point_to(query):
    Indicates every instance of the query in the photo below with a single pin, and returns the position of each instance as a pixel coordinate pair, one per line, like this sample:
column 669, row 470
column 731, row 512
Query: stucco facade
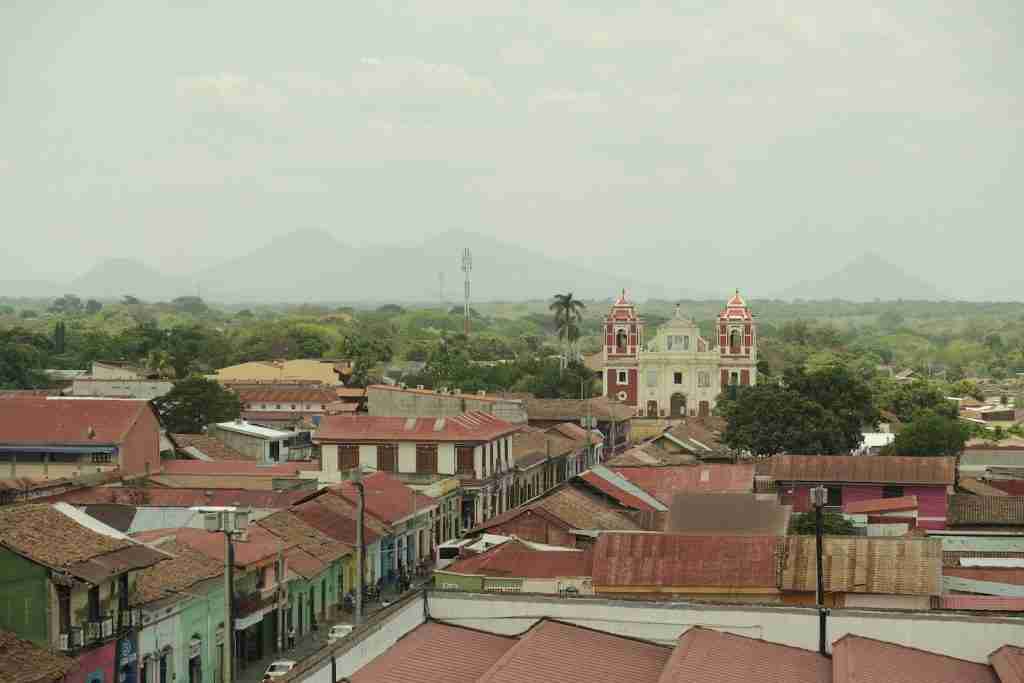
column 678, row 373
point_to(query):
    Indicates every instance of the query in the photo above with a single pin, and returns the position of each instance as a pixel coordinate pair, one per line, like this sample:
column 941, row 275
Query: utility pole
column 819, row 496
column 228, row 521
column 467, row 266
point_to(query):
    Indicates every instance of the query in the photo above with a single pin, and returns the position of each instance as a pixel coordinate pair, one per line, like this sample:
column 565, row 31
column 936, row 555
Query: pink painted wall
column 95, row 666
column 931, row 500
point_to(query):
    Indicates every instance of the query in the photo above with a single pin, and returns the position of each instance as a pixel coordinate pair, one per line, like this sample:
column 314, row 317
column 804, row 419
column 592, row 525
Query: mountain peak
column 867, row 277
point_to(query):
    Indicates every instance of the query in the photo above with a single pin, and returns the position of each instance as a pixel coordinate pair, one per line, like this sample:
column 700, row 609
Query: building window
column 94, row 604
column 704, row 379
column 348, row 456
column 426, row 458
column 835, row 497
column 277, row 406
column 677, row 378
column 686, row 343
column 293, row 406
column 64, row 608
column 620, row 341
column 892, row 492
column 100, row 458
column 623, row 377
column 464, row 460
column 734, row 341
column 387, row 457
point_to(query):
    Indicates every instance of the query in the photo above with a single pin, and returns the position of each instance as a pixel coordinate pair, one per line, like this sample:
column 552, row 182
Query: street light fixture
column 230, row 521
column 819, row 497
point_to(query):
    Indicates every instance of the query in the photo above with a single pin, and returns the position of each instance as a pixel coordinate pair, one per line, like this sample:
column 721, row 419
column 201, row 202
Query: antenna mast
column 467, row 266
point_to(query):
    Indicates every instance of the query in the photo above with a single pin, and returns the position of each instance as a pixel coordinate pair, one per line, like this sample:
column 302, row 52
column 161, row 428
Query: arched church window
column 734, row 341
column 620, row 341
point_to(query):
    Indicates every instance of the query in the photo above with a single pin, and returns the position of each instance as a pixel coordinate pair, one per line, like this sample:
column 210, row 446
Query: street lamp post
column 819, row 496
column 357, row 481
column 228, row 521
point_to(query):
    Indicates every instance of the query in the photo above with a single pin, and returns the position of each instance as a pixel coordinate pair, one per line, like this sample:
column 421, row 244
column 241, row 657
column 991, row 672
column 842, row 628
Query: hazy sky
column 772, row 137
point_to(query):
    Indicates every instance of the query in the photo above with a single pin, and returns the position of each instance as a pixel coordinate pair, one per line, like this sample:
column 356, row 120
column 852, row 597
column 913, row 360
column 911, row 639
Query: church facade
column 677, row 373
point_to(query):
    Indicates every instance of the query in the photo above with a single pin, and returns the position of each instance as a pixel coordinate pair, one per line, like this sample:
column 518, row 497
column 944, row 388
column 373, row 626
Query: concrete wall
column 250, row 446
column 24, row 599
column 958, row 635
column 415, row 403
column 121, row 388
column 140, row 452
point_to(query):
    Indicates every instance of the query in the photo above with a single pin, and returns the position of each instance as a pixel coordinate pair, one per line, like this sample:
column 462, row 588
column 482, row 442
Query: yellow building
column 326, row 371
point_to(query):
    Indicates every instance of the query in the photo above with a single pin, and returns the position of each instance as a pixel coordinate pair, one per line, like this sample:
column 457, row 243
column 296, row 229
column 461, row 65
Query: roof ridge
column 849, row 636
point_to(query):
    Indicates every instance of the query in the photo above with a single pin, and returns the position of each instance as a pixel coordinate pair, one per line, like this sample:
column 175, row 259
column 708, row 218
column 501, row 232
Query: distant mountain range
column 314, row 266
column 867, row 278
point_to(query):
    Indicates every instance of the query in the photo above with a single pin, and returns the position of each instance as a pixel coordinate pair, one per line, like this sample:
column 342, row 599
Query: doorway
column 678, row 405
column 652, row 409
column 704, row 409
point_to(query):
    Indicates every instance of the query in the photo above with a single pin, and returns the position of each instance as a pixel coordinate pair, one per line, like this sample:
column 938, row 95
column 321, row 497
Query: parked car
column 279, row 668
column 337, row 632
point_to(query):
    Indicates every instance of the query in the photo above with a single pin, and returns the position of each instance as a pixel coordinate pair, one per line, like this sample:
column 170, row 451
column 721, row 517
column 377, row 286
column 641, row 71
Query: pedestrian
column 291, row 638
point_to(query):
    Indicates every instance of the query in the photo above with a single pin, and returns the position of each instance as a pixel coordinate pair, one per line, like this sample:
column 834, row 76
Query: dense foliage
column 803, row 524
column 195, row 402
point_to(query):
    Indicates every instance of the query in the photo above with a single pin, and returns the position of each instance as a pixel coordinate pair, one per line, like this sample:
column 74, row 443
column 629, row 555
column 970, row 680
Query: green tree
column 195, row 402
column 568, row 316
column 766, row 419
column 129, row 300
column 365, row 351
column 92, row 306
column 846, row 400
column 28, row 313
column 906, row 400
column 804, row 524
column 59, row 337
column 23, row 356
column 190, row 304
column 69, row 304
column 931, row 434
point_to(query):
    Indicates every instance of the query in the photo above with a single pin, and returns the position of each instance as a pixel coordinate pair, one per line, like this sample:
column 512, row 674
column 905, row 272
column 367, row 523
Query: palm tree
column 568, row 314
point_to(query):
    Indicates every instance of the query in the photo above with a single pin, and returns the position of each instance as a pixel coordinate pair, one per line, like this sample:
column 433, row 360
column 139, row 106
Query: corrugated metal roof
column 863, row 660
column 711, row 656
column 863, row 507
column 862, row 469
column 57, row 420
column 892, row 566
column 184, row 497
column 677, row 560
column 436, row 653
column 621, row 489
column 1008, row 661
column 555, row 651
column 516, row 559
column 994, row 603
column 967, row 509
column 664, row 482
column 386, row 497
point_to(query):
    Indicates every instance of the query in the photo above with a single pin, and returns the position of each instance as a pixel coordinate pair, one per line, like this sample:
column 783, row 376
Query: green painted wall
column 201, row 617
column 445, row 580
column 24, row 598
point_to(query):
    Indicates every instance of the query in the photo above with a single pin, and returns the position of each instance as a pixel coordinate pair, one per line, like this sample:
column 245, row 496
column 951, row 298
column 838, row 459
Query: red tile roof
column 22, row 661
column 387, row 498
column 211, row 447
column 664, row 482
column 260, row 546
column 514, row 558
column 571, row 430
column 296, row 395
column 569, row 508
column 555, row 651
column 621, row 495
column 67, row 420
column 675, row 560
column 713, row 657
column 200, row 467
column 863, row 660
column 473, row 426
column 185, row 568
column 862, row 507
column 996, row 603
column 329, row 515
column 862, row 469
column 184, row 497
column 1008, row 661
column 436, row 653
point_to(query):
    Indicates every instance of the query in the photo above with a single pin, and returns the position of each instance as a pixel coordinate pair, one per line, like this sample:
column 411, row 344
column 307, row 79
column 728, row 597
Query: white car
column 337, row 632
column 279, row 668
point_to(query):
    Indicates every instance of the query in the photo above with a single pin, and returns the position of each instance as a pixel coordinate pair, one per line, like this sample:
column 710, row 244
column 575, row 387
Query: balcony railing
column 71, row 640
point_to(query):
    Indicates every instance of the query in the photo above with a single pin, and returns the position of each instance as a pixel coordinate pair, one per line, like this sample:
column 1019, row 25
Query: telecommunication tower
column 467, row 266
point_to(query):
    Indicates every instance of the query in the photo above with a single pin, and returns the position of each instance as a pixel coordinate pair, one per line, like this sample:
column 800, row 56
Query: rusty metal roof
column 677, row 560
column 856, row 659
column 862, row 469
column 892, row 566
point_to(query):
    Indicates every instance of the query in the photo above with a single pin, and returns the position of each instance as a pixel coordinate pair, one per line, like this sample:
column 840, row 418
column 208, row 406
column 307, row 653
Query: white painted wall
column 958, row 635
column 329, row 458
column 446, row 458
